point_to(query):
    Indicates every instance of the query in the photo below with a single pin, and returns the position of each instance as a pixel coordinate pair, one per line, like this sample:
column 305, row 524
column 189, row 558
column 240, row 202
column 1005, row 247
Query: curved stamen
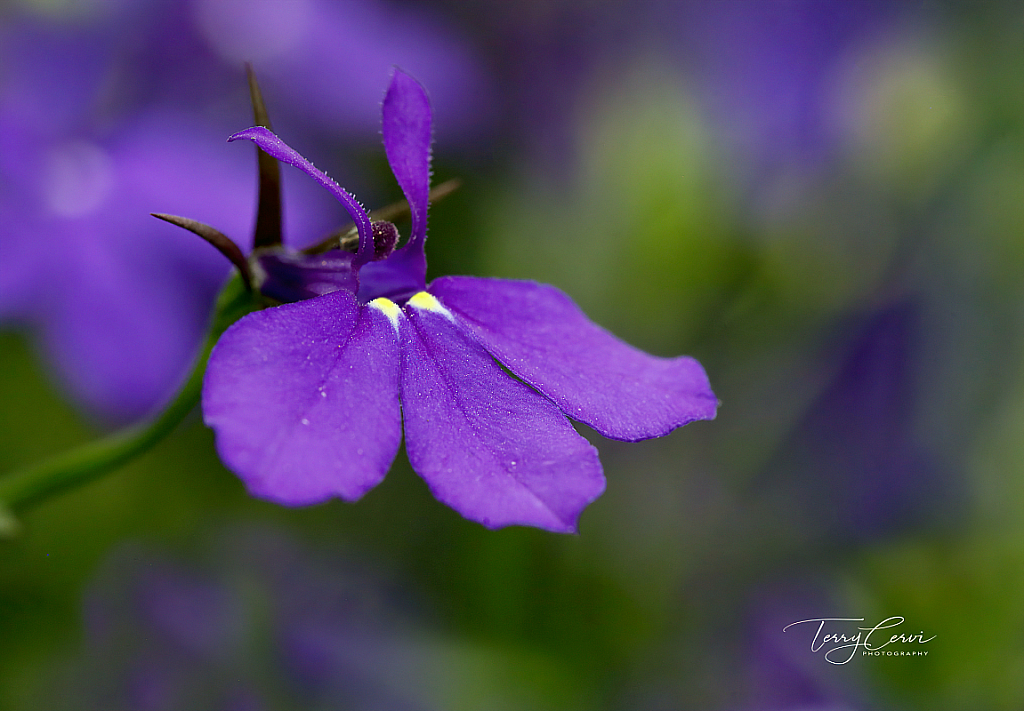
column 347, row 237
column 277, row 148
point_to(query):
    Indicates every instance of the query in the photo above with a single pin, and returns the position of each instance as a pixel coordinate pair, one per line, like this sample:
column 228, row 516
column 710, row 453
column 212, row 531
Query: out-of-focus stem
column 35, row 483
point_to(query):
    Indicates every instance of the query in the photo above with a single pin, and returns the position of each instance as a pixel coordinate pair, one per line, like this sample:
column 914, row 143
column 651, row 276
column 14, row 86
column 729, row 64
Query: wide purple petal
column 539, row 334
column 304, row 399
column 490, row 447
column 280, row 150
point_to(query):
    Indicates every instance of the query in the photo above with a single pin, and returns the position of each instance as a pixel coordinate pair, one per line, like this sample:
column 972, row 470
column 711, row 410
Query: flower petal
column 277, row 148
column 304, row 399
column 406, row 128
column 397, row 277
column 489, row 446
column 293, row 276
column 539, row 334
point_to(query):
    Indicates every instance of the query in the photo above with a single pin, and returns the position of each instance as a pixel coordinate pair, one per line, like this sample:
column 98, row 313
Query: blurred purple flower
column 308, row 398
column 325, row 59
column 93, row 137
column 767, row 71
column 781, row 672
column 262, row 625
column 119, row 302
column 854, row 465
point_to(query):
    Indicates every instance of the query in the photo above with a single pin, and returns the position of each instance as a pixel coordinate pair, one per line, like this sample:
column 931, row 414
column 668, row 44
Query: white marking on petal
column 428, row 302
column 389, row 308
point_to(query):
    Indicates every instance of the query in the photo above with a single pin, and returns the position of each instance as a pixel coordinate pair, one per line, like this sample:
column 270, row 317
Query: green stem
column 34, row 483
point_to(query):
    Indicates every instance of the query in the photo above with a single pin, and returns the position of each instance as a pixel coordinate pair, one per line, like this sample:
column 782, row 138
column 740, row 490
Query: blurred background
column 822, row 201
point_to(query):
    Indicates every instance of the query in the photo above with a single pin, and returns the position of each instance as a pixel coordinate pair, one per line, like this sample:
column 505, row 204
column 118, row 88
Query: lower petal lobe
column 539, row 334
column 304, row 399
column 488, row 445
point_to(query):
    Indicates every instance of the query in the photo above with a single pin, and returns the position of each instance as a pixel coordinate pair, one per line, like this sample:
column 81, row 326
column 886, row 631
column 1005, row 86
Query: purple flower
column 256, row 622
column 855, row 467
column 325, row 58
column 778, row 669
column 767, row 70
column 308, row 398
column 133, row 299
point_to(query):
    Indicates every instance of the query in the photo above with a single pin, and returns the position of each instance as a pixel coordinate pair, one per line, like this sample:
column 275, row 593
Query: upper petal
column 539, row 334
column 490, row 447
column 304, row 399
column 406, row 128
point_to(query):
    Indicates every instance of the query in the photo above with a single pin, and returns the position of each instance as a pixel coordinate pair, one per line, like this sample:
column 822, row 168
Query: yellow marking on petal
column 389, row 308
column 426, row 302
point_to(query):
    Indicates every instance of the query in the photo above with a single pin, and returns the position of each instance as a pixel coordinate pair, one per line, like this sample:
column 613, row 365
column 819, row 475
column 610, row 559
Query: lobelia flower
column 883, row 479
column 768, row 72
column 308, row 399
column 256, row 622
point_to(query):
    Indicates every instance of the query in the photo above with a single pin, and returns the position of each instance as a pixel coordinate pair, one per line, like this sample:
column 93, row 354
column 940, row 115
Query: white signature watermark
column 841, row 647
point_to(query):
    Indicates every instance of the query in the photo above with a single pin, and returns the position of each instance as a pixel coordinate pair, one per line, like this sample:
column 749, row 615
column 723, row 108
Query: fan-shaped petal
column 539, row 334
column 304, row 399
column 488, row 445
